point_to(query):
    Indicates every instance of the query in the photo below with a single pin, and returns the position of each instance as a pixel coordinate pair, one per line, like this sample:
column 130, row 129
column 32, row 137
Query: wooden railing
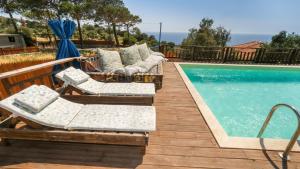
column 13, row 81
column 231, row 54
column 9, row 51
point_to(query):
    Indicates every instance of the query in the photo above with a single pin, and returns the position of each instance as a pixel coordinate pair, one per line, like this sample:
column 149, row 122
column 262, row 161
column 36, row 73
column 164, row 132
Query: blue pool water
column 241, row 97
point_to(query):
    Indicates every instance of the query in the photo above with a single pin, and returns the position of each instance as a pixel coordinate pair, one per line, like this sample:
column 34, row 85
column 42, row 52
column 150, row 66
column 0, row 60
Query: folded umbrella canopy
column 64, row 30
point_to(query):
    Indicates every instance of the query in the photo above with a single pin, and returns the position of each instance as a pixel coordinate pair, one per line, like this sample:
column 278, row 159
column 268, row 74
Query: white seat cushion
column 35, row 98
column 129, row 89
column 91, row 86
column 132, row 69
column 115, row 118
column 150, row 62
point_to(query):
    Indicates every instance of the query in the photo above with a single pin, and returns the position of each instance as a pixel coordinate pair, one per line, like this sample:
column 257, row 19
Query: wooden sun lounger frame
column 34, row 131
column 155, row 75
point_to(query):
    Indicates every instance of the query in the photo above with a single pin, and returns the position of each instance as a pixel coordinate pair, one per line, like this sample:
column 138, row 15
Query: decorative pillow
column 157, row 53
column 144, row 51
column 60, row 75
column 130, row 55
column 110, row 60
column 75, row 77
column 36, row 98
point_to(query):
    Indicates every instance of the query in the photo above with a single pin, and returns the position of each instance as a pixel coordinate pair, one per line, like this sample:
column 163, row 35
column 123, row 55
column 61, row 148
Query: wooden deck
column 182, row 140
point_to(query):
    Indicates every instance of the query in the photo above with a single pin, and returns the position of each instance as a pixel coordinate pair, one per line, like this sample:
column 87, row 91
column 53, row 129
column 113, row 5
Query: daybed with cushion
column 132, row 64
column 43, row 115
column 79, row 81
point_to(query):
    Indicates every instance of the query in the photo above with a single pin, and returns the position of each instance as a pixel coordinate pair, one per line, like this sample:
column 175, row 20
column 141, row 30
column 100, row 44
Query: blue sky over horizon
column 239, row 16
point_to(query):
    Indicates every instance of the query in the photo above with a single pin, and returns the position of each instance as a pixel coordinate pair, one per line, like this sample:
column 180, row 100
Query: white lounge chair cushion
column 35, row 98
column 60, row 75
column 129, row 89
column 117, row 89
column 58, row 114
column 75, row 77
column 110, row 60
column 130, row 55
column 91, row 86
column 115, row 118
column 144, row 51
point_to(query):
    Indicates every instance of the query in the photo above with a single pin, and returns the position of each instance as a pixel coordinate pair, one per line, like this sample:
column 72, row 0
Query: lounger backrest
column 73, row 76
column 57, row 114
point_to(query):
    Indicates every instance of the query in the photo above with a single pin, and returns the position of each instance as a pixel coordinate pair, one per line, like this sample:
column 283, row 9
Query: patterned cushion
column 75, row 77
column 60, row 75
column 144, row 51
column 130, row 55
column 128, row 89
column 150, row 62
column 132, row 69
column 110, row 60
column 115, row 118
column 91, row 86
column 146, row 65
column 35, row 98
column 156, row 58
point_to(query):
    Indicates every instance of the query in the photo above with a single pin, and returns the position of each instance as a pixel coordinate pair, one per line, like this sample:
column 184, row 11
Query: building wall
column 12, row 41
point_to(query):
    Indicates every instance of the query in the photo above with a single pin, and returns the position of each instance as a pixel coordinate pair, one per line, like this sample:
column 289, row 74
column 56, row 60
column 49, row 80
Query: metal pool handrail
column 296, row 134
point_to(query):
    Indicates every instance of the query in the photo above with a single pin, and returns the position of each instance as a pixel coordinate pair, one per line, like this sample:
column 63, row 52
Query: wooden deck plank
column 182, row 141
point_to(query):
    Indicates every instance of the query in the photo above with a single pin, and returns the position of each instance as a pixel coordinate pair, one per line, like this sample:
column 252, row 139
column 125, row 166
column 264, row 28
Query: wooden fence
column 233, row 55
column 14, row 66
column 9, row 51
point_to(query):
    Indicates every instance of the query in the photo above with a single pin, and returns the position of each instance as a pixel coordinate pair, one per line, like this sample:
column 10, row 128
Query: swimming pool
column 235, row 100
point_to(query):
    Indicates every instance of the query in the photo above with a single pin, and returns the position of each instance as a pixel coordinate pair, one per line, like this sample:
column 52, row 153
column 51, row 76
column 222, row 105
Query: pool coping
column 217, row 130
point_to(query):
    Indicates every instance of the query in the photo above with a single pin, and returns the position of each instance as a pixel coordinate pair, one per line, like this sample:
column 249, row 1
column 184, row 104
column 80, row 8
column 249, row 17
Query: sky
column 239, row 16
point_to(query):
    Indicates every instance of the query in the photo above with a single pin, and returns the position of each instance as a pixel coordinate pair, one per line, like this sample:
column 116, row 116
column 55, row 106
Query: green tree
column 130, row 21
column 143, row 37
column 207, row 35
column 113, row 15
column 79, row 10
column 285, row 40
column 10, row 7
column 41, row 11
column 222, row 36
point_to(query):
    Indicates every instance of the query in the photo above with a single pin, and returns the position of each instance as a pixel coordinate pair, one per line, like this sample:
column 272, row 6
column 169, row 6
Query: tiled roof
column 252, row 44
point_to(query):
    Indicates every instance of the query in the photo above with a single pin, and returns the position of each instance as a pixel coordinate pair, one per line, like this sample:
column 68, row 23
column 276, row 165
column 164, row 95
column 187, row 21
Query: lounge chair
column 49, row 117
column 93, row 87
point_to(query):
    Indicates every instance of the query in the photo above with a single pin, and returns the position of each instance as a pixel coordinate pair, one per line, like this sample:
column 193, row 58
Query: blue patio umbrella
column 66, row 48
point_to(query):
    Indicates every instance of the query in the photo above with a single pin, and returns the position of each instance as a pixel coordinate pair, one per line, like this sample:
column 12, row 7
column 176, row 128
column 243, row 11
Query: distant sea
column 177, row 37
